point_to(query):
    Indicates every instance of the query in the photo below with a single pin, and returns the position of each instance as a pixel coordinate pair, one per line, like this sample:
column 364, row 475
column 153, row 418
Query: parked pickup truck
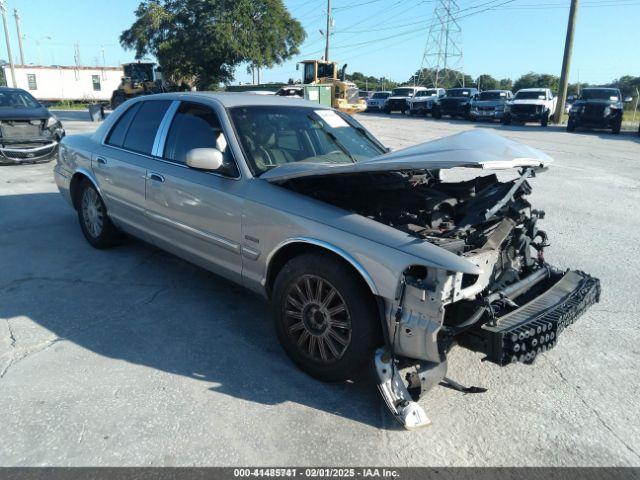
column 397, row 101
column 456, row 103
column 530, row 105
column 597, row 108
column 423, row 101
column 490, row 105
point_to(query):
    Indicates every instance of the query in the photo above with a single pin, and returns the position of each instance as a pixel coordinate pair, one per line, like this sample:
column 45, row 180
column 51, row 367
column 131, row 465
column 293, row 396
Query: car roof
column 237, row 99
column 497, row 90
column 11, row 89
column 600, row 88
column 536, row 89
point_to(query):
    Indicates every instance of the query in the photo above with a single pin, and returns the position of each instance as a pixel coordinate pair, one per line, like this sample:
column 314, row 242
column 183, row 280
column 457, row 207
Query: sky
column 377, row 37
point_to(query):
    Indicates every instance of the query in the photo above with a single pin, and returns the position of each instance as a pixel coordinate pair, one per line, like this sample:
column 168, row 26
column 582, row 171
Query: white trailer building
column 55, row 83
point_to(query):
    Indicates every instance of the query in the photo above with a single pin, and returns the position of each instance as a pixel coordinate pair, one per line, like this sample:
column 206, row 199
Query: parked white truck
column 530, row 105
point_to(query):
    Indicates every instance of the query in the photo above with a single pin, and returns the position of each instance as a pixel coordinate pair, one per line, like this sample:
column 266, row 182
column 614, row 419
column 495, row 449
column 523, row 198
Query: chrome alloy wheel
column 92, row 212
column 317, row 319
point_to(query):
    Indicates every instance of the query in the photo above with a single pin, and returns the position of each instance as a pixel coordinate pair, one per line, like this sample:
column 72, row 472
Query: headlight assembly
column 52, row 122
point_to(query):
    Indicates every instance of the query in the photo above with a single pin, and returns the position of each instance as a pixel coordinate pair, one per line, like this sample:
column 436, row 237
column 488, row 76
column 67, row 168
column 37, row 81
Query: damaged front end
column 512, row 311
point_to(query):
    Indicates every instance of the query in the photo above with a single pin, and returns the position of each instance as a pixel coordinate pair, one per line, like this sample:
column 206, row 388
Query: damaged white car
column 367, row 257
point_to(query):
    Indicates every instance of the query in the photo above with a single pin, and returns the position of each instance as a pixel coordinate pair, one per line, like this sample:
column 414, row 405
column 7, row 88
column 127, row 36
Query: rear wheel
column 571, row 125
column 325, row 317
column 96, row 226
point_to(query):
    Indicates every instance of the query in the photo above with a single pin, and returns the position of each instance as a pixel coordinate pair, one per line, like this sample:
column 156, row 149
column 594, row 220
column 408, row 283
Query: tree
column 370, row 82
column 505, row 84
column 487, row 82
column 537, row 80
column 203, row 41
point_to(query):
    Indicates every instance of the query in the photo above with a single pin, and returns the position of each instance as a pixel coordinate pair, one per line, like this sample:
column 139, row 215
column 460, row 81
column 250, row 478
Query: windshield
column 493, row 96
column 458, row 92
column 17, row 99
column 380, row 95
column 426, row 93
column 402, row 92
column 531, row 95
column 276, row 135
column 600, row 94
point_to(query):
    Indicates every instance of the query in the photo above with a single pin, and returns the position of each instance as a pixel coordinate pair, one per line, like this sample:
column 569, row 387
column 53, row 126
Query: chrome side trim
column 210, row 237
column 250, row 253
column 29, row 150
column 332, row 248
column 161, row 134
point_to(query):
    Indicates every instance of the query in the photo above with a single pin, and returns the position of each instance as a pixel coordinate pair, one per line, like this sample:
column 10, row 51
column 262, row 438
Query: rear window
column 119, row 131
column 136, row 129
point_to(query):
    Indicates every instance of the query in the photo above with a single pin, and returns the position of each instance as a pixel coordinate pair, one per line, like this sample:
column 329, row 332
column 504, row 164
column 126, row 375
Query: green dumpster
column 318, row 93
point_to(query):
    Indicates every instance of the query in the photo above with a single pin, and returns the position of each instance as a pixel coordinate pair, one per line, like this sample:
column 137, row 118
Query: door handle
column 156, row 177
column 101, row 161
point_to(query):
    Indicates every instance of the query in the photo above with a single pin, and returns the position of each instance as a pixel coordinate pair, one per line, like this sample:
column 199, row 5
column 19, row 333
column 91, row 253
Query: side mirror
column 209, row 159
column 628, row 99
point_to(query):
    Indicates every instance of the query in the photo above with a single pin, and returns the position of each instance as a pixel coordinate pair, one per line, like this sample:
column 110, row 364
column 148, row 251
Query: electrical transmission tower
column 442, row 59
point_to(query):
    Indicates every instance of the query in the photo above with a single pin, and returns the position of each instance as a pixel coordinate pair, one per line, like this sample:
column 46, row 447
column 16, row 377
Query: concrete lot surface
column 133, row 357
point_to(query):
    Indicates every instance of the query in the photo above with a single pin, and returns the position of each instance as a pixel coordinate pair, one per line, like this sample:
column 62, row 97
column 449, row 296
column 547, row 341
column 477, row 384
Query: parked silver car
column 366, row 256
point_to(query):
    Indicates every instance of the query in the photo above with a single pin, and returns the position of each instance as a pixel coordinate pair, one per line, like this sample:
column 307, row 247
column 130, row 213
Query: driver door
column 196, row 214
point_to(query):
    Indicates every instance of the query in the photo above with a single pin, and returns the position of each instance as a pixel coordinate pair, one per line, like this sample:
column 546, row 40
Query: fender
column 332, row 248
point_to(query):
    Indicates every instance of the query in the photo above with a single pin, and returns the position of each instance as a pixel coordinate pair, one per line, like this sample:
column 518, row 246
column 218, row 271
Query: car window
column 276, row 135
column 119, row 131
column 197, row 126
column 144, row 126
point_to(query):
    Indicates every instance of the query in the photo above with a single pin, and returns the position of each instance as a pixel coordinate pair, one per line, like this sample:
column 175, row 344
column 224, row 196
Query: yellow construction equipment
column 140, row 78
column 344, row 94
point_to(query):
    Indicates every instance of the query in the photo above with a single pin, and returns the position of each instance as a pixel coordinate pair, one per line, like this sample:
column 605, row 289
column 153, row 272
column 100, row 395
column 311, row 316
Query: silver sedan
column 366, row 256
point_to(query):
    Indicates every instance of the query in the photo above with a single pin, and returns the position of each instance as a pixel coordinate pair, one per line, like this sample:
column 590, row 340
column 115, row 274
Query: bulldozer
column 140, row 78
column 344, row 94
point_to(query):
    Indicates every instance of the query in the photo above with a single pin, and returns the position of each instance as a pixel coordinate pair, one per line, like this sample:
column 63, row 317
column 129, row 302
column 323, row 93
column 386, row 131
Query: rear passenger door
column 121, row 163
column 196, row 214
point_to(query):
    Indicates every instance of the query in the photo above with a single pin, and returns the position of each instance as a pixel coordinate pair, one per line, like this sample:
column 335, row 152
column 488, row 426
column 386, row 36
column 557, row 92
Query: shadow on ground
column 138, row 304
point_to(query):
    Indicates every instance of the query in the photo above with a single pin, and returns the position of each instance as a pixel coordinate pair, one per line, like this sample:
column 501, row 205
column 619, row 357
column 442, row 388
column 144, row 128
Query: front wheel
column 616, row 127
column 571, row 126
column 544, row 121
column 506, row 120
column 325, row 317
column 437, row 113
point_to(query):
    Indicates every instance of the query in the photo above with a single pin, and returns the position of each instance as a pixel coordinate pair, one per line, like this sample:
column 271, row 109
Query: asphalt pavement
column 131, row 356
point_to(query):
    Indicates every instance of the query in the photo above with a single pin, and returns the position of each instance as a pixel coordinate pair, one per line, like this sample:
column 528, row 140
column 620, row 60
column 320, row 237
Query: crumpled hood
column 479, row 148
column 38, row 113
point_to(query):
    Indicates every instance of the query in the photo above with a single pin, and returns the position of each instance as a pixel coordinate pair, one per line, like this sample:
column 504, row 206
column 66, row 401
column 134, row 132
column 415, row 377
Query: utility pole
column 3, row 8
column 566, row 61
column 327, row 32
column 16, row 14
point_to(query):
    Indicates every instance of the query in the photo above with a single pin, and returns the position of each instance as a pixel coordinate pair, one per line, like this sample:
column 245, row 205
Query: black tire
column 437, row 113
column 118, row 97
column 571, row 126
column 411, row 113
column 361, row 332
column 506, row 120
column 102, row 234
column 544, row 121
column 616, row 127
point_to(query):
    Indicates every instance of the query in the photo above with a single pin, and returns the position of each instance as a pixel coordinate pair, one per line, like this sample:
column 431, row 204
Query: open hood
column 471, row 149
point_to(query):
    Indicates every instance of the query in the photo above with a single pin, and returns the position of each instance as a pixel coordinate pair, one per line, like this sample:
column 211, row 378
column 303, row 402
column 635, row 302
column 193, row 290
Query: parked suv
column 597, row 108
column 456, row 103
column 376, row 101
column 490, row 104
column 530, row 105
column 423, row 101
column 397, row 101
